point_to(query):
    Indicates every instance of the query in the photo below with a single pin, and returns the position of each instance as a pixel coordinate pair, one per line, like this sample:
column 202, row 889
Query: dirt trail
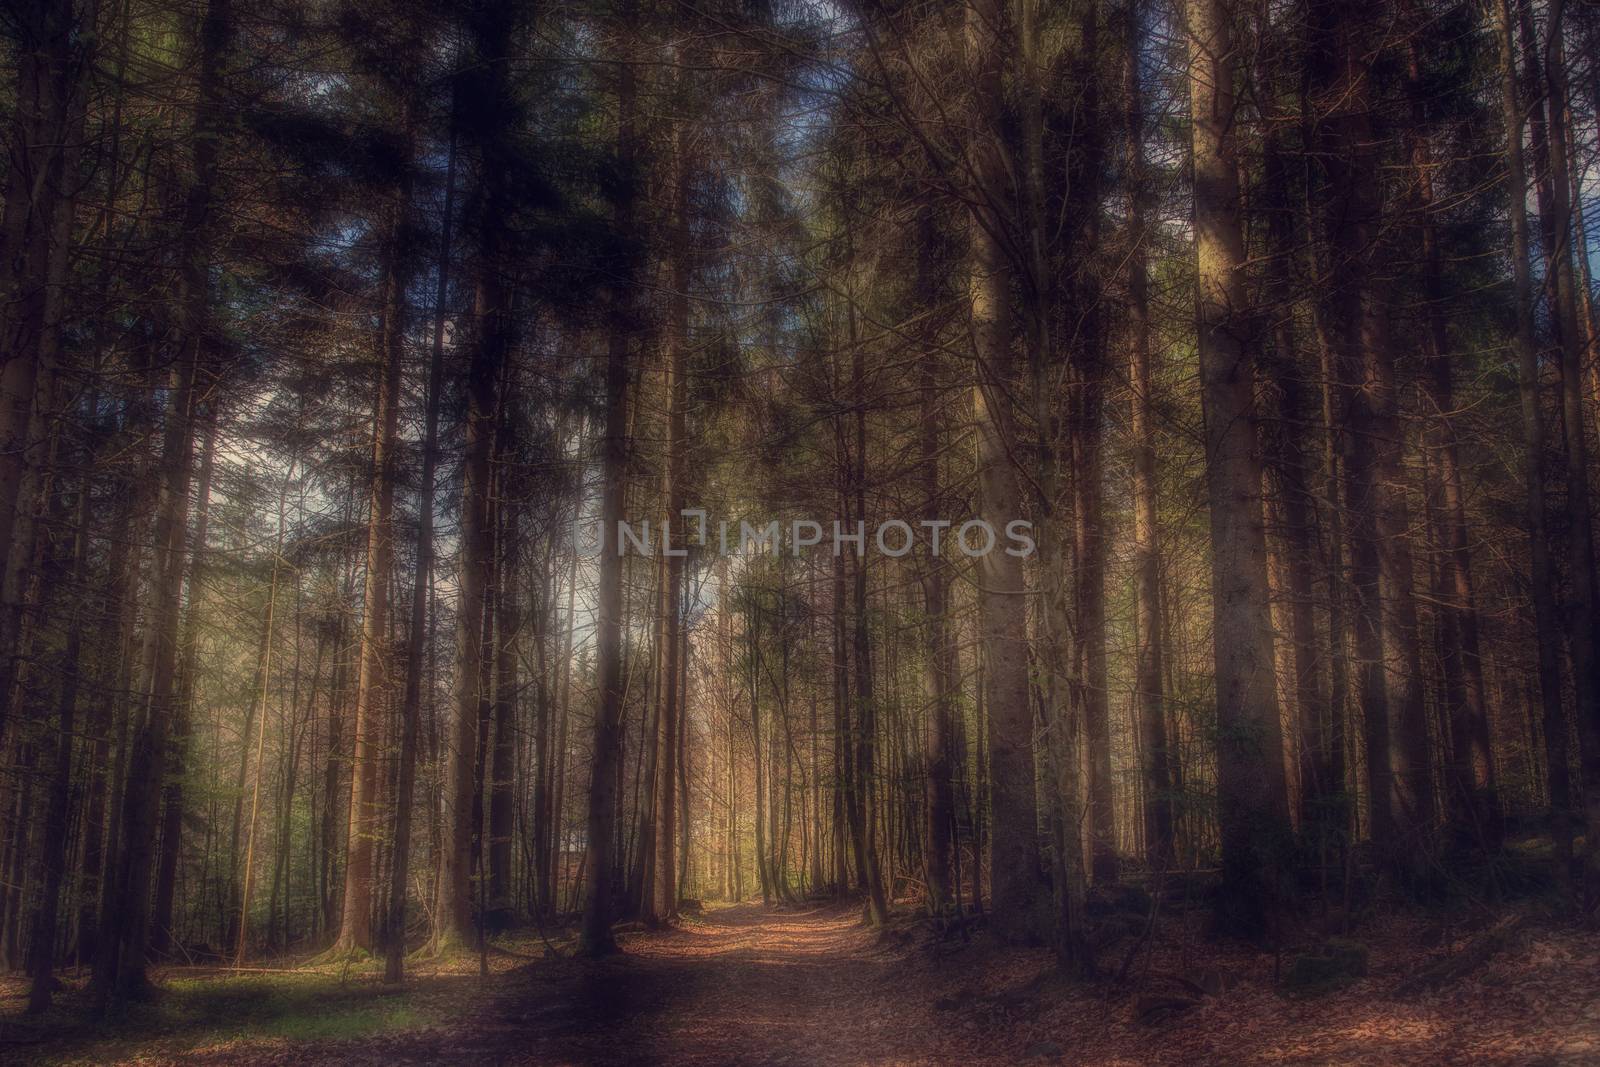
column 740, row 985
column 812, row 986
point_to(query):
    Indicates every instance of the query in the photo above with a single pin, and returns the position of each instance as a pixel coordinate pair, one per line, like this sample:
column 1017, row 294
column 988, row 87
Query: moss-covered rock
column 1337, row 964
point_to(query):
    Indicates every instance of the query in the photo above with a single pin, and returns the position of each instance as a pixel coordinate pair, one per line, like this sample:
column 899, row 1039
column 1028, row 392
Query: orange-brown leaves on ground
column 812, row 986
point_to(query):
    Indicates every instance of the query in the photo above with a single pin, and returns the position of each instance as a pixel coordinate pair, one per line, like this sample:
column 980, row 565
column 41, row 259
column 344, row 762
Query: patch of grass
column 292, row 1007
column 222, row 1010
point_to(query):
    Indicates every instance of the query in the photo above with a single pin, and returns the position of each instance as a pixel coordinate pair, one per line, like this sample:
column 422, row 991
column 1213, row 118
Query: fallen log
column 1477, row 952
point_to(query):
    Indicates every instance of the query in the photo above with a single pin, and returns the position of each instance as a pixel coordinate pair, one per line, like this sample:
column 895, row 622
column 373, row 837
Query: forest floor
column 810, row 985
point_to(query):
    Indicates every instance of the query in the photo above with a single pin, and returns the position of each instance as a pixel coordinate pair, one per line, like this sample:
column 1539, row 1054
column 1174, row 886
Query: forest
column 799, row 531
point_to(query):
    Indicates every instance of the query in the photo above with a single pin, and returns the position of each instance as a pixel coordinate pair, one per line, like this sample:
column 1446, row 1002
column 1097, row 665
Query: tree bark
column 42, row 939
column 1372, row 447
column 596, row 938
column 416, row 639
column 55, row 49
column 672, row 536
column 1017, row 912
column 485, row 90
column 508, row 627
column 1583, row 614
column 120, row 966
column 1544, row 590
column 173, row 800
column 1250, row 782
column 940, row 661
column 1473, row 804
column 376, row 669
column 1149, row 693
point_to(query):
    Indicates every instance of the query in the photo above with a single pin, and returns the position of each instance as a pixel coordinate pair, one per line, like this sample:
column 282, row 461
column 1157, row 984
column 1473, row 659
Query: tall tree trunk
column 173, row 800
column 1583, row 614
column 537, row 861
column 1364, row 363
column 1250, row 783
column 115, row 653
column 672, row 536
column 1341, row 807
column 508, row 627
column 120, row 966
column 842, row 776
column 1290, row 451
column 1149, row 694
column 1471, row 796
column 1062, row 682
column 641, row 874
column 684, row 826
column 485, row 90
column 1542, row 576
column 819, row 878
column 112, row 643
column 596, row 938
column 477, row 562
column 373, row 685
column 260, row 694
column 330, row 838
column 556, row 847
column 940, row 661
column 19, row 851
column 42, row 939
column 863, row 828
column 1016, row 887
column 54, row 56
column 416, row 639
column 1086, row 430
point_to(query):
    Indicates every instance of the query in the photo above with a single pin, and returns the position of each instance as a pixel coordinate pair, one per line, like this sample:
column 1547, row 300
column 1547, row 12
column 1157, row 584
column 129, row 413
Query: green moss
column 447, row 945
column 197, row 1013
column 1338, row 964
column 353, row 957
column 294, row 1007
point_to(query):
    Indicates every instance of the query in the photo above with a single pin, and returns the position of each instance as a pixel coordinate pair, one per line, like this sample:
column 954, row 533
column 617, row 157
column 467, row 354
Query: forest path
column 741, row 985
